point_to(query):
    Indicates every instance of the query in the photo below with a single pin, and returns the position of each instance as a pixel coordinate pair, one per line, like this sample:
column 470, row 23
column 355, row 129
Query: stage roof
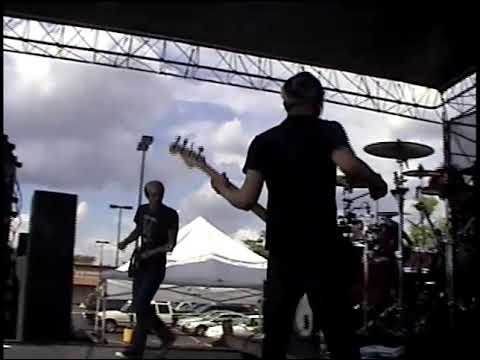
column 428, row 47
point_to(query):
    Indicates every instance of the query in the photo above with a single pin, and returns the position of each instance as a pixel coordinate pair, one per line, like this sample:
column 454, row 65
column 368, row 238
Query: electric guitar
column 195, row 159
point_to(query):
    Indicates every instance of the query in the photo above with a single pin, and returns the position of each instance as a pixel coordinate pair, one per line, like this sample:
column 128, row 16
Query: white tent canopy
column 205, row 256
column 122, row 289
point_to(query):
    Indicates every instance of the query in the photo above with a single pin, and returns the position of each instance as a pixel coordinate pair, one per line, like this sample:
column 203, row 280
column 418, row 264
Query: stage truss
column 167, row 57
column 179, row 59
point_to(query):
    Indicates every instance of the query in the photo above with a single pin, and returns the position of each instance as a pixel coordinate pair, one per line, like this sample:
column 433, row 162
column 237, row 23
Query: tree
column 422, row 234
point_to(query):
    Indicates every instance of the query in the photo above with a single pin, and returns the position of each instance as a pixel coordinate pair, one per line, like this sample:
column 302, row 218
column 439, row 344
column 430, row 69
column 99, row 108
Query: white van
column 116, row 319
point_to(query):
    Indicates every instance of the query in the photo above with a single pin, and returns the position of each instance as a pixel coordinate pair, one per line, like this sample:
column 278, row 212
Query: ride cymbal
column 400, row 150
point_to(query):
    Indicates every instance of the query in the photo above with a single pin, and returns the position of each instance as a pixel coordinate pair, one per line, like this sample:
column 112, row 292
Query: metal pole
column 399, row 192
column 140, row 186
column 118, row 235
column 142, row 172
column 97, row 310
column 448, row 236
column 365, row 284
column 101, row 257
column 104, row 311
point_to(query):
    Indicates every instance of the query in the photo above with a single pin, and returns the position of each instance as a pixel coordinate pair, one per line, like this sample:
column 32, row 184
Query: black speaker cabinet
column 22, row 244
column 45, row 301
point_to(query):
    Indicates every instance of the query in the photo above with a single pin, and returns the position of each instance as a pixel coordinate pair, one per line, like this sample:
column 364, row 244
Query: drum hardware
column 400, row 151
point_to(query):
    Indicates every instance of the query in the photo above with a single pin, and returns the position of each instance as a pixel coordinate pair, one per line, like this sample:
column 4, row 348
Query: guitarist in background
column 157, row 225
column 297, row 159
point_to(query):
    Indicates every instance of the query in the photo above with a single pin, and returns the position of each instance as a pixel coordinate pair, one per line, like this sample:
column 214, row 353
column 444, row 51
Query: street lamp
column 142, row 146
column 102, row 244
column 120, row 208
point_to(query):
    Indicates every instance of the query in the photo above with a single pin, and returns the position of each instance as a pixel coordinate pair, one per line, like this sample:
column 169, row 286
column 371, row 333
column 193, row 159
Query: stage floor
column 95, row 351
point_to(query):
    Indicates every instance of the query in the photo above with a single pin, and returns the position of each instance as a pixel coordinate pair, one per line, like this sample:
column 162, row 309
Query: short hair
column 303, row 88
column 153, row 183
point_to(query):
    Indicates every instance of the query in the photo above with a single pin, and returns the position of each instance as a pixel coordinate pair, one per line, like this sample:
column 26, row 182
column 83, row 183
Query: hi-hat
column 390, row 214
column 430, row 190
column 400, row 150
column 422, row 173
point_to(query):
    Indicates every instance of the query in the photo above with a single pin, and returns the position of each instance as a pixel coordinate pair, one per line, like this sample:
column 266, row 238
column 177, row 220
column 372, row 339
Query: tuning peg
column 200, row 152
column 185, row 142
column 174, row 146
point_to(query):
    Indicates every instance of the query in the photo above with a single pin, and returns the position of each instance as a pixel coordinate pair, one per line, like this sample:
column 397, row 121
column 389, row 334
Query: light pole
column 120, row 208
column 102, row 244
column 101, row 295
column 142, row 146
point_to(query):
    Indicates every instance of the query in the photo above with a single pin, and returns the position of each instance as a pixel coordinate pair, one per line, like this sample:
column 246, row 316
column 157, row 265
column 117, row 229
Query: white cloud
column 246, row 234
column 208, row 204
column 82, row 211
column 89, row 121
column 240, row 100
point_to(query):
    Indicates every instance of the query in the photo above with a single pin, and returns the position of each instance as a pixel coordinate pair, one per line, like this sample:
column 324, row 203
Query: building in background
column 85, row 280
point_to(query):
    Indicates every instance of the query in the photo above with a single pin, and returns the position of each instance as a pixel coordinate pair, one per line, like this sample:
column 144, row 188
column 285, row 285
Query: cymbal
column 400, row 150
column 343, row 181
column 429, row 190
column 390, row 214
column 422, row 173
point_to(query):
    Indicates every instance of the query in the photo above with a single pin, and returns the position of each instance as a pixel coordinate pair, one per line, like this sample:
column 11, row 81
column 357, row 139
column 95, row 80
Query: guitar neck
column 257, row 209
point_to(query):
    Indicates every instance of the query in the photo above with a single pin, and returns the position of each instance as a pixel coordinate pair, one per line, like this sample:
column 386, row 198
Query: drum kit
column 390, row 264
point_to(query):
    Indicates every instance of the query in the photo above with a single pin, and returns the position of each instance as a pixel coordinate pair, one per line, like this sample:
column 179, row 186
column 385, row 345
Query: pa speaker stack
column 45, row 271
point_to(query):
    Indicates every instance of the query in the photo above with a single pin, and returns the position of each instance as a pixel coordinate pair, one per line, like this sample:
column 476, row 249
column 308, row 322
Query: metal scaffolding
column 167, row 57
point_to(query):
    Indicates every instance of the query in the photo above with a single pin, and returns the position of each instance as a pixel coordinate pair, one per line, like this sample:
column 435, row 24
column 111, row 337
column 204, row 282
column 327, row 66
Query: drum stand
column 449, row 242
column 365, row 307
column 399, row 193
column 398, row 308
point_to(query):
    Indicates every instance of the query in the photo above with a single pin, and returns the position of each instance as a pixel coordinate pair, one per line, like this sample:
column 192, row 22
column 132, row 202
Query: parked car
column 201, row 309
column 184, row 306
column 184, row 312
column 90, row 306
column 242, row 327
column 116, row 319
column 184, row 321
column 201, row 326
column 246, row 309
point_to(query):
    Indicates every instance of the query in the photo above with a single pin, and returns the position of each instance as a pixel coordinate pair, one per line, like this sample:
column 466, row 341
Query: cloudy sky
column 76, row 127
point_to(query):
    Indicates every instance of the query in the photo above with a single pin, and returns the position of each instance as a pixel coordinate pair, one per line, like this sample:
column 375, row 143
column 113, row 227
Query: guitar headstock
column 192, row 158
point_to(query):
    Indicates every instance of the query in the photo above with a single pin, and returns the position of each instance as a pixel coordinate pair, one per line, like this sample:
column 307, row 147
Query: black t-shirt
column 295, row 161
column 154, row 227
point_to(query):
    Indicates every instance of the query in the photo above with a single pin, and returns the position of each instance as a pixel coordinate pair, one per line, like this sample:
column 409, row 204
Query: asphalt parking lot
column 183, row 340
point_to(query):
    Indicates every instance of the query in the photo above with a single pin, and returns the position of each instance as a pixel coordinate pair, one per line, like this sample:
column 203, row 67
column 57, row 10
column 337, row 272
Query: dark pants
column 329, row 295
column 146, row 282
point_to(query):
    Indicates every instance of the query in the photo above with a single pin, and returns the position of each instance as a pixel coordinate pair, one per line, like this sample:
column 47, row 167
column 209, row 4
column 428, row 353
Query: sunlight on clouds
column 82, row 211
column 396, row 122
column 246, row 234
column 33, row 69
